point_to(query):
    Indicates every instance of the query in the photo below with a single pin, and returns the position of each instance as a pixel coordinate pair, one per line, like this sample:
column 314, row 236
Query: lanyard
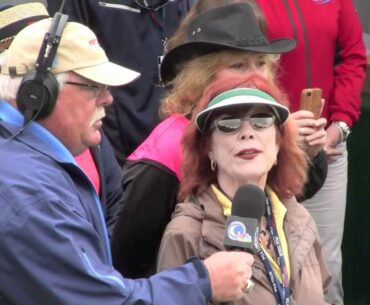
column 281, row 290
column 159, row 24
column 158, row 16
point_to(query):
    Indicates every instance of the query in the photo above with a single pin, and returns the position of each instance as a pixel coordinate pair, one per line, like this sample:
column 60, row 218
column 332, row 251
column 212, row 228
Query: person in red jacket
column 330, row 55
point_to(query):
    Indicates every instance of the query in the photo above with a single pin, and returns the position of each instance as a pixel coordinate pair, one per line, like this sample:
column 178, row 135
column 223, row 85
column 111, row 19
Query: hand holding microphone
column 230, row 272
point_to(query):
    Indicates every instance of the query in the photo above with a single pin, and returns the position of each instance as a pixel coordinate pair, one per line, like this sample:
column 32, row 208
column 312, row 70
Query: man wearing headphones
column 54, row 247
column 98, row 162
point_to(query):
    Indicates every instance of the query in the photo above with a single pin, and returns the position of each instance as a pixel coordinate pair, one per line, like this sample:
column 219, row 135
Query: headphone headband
column 50, row 43
column 39, row 88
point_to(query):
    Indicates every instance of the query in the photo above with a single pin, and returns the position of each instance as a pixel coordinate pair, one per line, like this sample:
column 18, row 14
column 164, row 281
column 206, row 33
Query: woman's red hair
column 287, row 178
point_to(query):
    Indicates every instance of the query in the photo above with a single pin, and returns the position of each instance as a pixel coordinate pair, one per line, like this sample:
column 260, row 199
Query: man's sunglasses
column 95, row 89
column 232, row 125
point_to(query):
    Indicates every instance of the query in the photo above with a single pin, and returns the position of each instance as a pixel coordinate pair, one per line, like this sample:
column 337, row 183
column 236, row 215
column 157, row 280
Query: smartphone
column 311, row 101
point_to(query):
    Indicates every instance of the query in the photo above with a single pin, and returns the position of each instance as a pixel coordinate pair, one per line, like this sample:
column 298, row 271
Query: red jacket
column 323, row 30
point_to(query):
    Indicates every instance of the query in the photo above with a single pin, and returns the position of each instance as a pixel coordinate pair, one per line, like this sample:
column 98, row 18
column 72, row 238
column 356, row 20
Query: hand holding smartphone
column 311, row 101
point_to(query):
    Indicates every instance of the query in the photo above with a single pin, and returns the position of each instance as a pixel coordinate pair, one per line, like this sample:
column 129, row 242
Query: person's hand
column 312, row 135
column 334, row 138
column 229, row 273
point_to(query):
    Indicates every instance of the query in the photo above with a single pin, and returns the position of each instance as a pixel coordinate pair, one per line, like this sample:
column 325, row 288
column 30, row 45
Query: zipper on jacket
column 107, row 278
column 120, row 6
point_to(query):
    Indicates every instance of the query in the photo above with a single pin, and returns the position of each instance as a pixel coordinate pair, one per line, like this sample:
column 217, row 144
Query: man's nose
column 105, row 98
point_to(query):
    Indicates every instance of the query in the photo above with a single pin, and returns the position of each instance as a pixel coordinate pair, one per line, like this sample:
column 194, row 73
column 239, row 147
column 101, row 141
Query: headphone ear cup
column 37, row 96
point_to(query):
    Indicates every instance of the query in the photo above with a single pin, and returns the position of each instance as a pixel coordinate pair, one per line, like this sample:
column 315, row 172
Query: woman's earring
column 213, row 165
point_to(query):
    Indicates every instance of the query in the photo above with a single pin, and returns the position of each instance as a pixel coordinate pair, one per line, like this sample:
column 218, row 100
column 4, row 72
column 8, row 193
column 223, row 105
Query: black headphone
column 39, row 88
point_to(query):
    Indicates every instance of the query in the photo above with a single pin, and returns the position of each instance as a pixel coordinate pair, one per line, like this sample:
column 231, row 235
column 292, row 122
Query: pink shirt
column 86, row 162
column 163, row 145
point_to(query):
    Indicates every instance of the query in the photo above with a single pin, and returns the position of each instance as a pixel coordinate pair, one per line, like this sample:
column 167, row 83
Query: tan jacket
column 197, row 229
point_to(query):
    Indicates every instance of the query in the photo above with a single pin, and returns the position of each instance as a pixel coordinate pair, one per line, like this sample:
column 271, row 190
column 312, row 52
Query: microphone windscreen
column 248, row 202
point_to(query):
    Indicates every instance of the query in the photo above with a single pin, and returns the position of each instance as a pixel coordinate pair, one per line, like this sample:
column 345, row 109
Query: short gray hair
column 9, row 85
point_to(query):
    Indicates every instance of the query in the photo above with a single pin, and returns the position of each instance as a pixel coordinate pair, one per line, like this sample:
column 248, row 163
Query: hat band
column 244, row 96
column 238, row 96
column 13, row 70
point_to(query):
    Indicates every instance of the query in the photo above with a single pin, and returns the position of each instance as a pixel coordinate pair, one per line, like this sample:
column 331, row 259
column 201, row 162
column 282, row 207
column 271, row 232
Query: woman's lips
column 248, row 154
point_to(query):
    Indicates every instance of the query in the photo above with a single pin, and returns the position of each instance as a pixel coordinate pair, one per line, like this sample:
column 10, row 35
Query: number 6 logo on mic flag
column 237, row 231
column 241, row 227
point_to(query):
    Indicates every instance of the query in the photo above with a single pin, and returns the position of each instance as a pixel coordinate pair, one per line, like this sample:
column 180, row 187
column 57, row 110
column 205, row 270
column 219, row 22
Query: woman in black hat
column 224, row 40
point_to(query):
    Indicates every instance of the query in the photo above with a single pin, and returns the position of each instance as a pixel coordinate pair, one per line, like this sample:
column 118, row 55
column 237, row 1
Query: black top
column 150, row 197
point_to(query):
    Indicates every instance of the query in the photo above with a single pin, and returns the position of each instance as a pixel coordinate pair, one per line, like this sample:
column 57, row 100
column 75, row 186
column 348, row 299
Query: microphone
column 241, row 230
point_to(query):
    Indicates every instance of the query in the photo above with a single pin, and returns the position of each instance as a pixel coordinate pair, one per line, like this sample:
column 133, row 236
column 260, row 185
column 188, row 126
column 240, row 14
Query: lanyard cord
column 159, row 24
column 183, row 6
column 281, row 290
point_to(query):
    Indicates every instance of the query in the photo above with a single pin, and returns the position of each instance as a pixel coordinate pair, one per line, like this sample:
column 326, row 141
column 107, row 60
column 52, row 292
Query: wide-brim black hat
column 233, row 26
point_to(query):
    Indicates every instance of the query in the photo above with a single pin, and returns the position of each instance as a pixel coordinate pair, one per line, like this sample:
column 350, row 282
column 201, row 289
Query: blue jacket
column 53, row 241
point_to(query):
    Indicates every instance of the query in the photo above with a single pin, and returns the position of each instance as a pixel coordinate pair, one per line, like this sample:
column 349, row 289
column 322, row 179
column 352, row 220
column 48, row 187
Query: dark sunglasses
column 232, row 125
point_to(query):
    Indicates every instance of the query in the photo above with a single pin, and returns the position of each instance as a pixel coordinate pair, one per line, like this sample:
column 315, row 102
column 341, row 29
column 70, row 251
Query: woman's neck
column 229, row 188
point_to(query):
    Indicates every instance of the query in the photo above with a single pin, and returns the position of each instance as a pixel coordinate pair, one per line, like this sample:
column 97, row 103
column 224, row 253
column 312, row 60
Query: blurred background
column 356, row 242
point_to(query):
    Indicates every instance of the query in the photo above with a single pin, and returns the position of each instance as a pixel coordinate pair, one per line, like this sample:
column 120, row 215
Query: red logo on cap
column 94, row 42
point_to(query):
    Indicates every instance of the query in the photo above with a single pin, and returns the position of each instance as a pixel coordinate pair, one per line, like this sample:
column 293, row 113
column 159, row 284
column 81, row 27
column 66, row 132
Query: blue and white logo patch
column 237, row 231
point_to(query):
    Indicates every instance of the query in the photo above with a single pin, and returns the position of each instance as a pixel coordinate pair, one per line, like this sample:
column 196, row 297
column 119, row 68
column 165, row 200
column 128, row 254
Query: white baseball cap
column 78, row 51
